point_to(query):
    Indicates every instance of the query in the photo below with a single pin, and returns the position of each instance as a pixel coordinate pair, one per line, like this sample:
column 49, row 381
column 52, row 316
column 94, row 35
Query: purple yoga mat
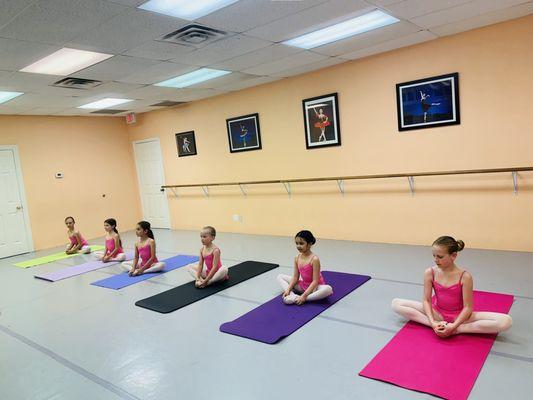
column 78, row 269
column 122, row 280
column 274, row 320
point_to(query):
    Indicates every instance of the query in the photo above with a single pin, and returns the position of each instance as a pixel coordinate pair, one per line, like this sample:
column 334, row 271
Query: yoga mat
column 183, row 295
column 52, row 257
column 274, row 320
column 78, row 269
column 417, row 359
column 122, row 280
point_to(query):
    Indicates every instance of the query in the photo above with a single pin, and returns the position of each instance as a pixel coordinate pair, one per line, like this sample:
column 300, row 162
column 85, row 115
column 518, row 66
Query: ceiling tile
column 414, row 8
column 247, row 14
column 224, row 80
column 11, row 8
column 310, row 19
column 383, row 3
column 261, row 56
column 115, row 68
column 484, row 19
column 156, row 73
column 20, row 54
column 367, row 39
column 43, row 111
column 464, row 11
column 297, row 60
column 248, row 83
column 58, row 21
column 397, row 43
column 127, row 31
column 161, row 51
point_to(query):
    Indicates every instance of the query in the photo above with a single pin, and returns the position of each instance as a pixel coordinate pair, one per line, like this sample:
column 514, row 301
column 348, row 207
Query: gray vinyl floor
column 70, row 340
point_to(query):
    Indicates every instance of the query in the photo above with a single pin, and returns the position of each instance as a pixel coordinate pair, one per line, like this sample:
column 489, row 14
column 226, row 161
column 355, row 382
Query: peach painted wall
column 495, row 64
column 95, row 157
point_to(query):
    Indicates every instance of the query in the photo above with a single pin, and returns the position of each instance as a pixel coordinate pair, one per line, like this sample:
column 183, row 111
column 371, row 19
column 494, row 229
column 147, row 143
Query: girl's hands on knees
column 286, row 293
column 301, row 300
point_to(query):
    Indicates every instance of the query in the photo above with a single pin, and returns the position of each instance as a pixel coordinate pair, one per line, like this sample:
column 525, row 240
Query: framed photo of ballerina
column 428, row 103
column 321, row 119
column 186, row 144
column 244, row 133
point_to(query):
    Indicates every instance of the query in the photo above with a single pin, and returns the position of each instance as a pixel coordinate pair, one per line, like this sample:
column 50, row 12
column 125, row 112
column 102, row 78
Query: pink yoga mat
column 417, row 359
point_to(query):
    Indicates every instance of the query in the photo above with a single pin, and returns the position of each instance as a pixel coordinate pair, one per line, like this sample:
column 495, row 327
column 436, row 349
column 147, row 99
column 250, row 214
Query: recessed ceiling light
column 65, row 62
column 186, row 9
column 192, row 78
column 105, row 103
column 6, row 96
column 363, row 23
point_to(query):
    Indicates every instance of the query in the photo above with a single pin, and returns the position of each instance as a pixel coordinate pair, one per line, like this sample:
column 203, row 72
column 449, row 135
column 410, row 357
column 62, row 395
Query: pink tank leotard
column 110, row 247
column 74, row 240
column 448, row 301
column 209, row 263
column 306, row 274
column 145, row 253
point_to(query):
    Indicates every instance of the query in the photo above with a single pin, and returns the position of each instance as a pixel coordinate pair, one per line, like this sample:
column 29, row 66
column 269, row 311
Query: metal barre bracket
column 411, row 181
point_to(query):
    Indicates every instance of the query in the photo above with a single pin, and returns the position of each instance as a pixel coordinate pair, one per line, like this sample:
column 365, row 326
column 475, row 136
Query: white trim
column 22, row 192
column 136, row 142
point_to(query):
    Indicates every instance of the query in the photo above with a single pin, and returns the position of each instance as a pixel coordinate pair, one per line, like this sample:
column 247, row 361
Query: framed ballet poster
column 321, row 119
column 428, row 103
column 186, row 144
column 244, row 133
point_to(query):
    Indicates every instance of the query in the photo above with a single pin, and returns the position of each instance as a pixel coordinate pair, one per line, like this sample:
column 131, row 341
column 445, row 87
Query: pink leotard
column 110, row 247
column 448, row 301
column 209, row 262
column 74, row 240
column 145, row 253
column 306, row 274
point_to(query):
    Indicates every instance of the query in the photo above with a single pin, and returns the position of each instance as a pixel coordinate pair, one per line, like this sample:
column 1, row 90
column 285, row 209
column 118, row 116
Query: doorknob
column 19, row 208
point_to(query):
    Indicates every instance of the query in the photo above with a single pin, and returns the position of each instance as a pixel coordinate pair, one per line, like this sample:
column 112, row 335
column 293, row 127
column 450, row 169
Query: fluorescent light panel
column 363, row 23
column 6, row 96
column 105, row 103
column 192, row 78
column 186, row 9
column 65, row 62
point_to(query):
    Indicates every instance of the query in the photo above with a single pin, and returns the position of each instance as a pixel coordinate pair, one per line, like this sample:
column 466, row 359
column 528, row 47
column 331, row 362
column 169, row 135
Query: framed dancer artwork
column 321, row 119
column 428, row 103
column 186, row 144
column 244, row 133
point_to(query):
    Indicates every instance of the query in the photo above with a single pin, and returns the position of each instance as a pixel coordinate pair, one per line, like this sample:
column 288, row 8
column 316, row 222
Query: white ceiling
column 32, row 29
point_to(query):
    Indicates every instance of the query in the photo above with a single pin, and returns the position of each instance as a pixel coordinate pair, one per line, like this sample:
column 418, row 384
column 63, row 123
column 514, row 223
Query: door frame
column 22, row 192
column 134, row 143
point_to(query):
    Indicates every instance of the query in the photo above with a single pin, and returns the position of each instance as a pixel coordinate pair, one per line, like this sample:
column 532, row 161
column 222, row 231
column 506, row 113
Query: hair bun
column 460, row 245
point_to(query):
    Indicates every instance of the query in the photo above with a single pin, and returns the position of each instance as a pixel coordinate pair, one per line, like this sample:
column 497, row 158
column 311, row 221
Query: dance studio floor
column 70, row 340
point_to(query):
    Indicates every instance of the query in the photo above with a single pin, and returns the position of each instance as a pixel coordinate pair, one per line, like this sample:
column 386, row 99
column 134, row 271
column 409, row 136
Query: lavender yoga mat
column 417, row 359
column 78, row 269
column 274, row 320
column 122, row 280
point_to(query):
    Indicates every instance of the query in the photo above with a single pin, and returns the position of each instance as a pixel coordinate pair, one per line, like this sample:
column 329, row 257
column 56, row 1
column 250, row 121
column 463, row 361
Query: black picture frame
column 186, row 144
column 321, row 121
column 244, row 133
column 428, row 103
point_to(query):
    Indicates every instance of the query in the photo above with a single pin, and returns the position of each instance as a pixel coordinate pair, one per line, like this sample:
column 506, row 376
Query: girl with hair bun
column 145, row 259
column 306, row 283
column 77, row 243
column 113, row 243
column 449, row 311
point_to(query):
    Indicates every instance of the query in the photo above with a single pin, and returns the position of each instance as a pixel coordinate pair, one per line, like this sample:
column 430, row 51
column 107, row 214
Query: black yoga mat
column 183, row 295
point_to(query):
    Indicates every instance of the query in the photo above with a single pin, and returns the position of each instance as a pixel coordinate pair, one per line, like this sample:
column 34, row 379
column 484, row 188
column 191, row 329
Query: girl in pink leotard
column 306, row 283
column 113, row 243
column 145, row 259
column 77, row 243
column 209, row 269
column 449, row 311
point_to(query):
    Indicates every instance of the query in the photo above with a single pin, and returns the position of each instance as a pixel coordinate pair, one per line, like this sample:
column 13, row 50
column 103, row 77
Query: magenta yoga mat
column 417, row 359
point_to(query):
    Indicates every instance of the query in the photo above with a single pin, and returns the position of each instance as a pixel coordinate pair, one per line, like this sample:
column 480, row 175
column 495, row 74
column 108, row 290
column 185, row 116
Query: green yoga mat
column 51, row 258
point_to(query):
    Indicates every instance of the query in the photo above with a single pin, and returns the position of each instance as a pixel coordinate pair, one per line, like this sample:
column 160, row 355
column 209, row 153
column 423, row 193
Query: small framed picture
column 321, row 118
column 428, row 103
column 244, row 133
column 186, row 144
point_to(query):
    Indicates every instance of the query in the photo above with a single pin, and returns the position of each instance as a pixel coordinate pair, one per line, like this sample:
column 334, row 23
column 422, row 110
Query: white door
column 15, row 236
column 151, row 177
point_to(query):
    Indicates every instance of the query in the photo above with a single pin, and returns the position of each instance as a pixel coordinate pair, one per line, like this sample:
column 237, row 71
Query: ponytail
column 113, row 223
column 145, row 226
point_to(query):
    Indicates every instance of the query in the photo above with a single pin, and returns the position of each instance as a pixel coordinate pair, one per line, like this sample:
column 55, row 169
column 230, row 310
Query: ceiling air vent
column 77, row 83
column 108, row 111
column 193, row 35
column 168, row 103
